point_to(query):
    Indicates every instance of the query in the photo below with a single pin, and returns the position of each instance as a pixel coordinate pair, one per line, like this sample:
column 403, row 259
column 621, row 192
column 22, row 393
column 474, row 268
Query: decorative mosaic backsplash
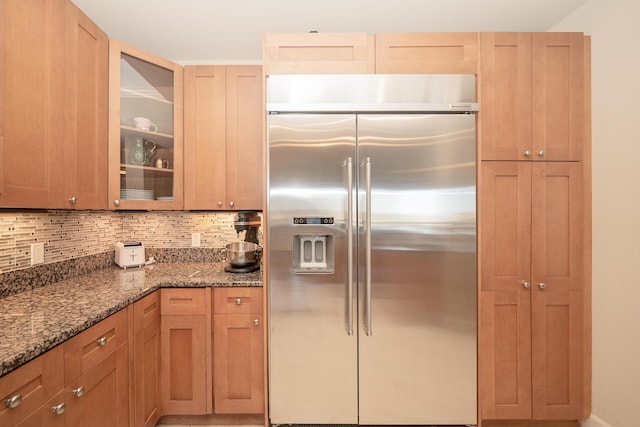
column 74, row 234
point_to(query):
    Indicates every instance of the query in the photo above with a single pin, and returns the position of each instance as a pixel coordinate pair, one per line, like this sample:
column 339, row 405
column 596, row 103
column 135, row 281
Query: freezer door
column 312, row 357
column 417, row 356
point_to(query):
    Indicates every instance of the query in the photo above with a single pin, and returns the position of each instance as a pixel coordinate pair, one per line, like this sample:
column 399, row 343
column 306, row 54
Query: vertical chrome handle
column 367, row 266
column 349, row 165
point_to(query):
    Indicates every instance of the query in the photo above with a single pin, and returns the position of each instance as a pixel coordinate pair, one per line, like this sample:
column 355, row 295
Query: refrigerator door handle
column 349, row 164
column 367, row 226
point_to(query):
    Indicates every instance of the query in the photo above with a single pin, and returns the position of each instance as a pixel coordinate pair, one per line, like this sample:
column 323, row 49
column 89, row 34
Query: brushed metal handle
column 541, row 153
column 58, row 409
column 527, row 153
column 101, row 341
column 541, row 285
column 13, row 402
column 232, row 204
column 73, row 200
column 368, row 329
column 256, row 322
column 78, row 392
column 219, row 203
column 238, row 301
column 525, row 284
column 116, row 202
column 349, row 164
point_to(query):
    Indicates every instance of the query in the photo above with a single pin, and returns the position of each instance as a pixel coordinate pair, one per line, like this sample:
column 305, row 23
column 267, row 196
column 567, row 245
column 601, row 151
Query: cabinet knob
column 541, row 285
column 13, row 402
column 525, row 284
column 238, row 301
column 101, row 341
column 541, row 153
column 116, row 202
column 73, row 200
column 256, row 322
column 527, row 153
column 78, row 392
column 232, row 204
column 219, row 203
column 58, row 409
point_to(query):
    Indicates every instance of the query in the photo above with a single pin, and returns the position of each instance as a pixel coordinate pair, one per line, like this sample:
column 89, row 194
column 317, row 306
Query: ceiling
column 230, row 31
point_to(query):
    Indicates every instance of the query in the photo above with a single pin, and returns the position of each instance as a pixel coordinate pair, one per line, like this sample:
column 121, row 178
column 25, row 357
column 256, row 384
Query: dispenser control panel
column 313, row 220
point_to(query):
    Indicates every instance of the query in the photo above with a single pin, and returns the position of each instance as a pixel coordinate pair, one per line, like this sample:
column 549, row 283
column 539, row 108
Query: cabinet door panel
column 557, row 334
column 183, row 385
column 558, row 95
column 204, row 137
column 557, row 225
column 505, row 365
column 32, row 112
column 105, row 393
column 424, row 53
column 505, row 224
column 505, row 95
column 238, row 364
column 245, row 141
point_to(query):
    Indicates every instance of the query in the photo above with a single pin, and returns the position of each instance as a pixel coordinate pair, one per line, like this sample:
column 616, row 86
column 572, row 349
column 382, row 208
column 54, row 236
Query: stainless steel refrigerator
column 371, row 237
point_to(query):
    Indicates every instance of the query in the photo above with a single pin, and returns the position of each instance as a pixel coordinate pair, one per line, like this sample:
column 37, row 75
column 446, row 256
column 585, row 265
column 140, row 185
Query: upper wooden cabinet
column 531, row 96
column 145, row 130
column 318, row 53
column 53, row 112
column 426, row 53
column 224, row 143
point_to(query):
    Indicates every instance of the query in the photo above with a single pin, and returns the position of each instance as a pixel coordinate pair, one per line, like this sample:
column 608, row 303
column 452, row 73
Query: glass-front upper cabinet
column 145, row 130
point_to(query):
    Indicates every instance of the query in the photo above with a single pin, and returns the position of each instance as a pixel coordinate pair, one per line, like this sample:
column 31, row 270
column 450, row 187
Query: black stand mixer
column 245, row 256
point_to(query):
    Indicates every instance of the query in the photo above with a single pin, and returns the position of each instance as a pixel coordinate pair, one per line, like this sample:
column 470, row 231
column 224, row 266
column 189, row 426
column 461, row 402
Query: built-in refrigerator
column 371, row 249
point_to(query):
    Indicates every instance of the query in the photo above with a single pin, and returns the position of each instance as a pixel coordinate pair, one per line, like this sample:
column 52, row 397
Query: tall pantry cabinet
column 534, row 313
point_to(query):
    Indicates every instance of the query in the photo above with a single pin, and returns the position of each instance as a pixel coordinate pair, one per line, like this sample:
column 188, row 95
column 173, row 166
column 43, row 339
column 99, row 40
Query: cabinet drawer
column 237, row 300
column 91, row 346
column 31, row 385
column 183, row 301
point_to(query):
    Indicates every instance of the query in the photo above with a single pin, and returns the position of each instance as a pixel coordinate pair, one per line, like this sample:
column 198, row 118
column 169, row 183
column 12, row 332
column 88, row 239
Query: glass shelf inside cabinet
column 146, row 130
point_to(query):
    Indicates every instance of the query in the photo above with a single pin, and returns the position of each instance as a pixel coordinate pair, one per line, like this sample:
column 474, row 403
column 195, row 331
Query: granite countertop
column 35, row 321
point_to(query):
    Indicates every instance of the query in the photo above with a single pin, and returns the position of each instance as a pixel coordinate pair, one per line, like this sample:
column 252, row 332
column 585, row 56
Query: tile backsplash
column 74, row 234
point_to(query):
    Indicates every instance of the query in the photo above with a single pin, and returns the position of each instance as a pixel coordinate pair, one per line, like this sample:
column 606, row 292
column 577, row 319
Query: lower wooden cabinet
column 238, row 349
column 184, row 387
column 145, row 376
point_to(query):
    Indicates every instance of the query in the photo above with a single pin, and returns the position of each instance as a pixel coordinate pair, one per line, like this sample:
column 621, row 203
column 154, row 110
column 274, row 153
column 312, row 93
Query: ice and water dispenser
column 313, row 253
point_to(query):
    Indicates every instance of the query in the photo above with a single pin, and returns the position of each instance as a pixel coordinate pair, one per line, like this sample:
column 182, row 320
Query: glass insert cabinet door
column 145, row 130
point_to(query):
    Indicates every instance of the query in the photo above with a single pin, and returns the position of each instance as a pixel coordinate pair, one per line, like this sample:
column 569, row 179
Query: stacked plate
column 131, row 193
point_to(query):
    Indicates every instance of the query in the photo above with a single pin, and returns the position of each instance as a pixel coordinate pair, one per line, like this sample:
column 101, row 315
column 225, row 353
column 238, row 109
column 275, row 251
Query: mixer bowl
column 242, row 254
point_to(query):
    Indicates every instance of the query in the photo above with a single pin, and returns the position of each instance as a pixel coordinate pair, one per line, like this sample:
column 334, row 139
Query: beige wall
column 615, row 31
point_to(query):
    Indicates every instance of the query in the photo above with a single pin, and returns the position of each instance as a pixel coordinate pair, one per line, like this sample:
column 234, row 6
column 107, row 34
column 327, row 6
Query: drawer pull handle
column 525, row 284
column 238, row 301
column 58, row 409
column 13, row 402
column 541, row 285
column 527, row 153
column 256, row 322
column 102, row 341
column 78, row 392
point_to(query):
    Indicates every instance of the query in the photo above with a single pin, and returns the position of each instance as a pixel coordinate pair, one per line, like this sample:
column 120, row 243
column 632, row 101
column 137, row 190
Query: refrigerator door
column 417, row 357
column 312, row 357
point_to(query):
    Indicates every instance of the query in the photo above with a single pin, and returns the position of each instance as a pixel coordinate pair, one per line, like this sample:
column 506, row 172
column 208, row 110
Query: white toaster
column 130, row 254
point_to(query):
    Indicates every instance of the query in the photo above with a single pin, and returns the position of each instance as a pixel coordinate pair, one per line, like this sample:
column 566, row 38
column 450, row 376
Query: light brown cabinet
column 238, row 351
column 532, row 96
column 318, row 53
column 224, row 141
column 426, row 53
column 53, row 116
column 185, row 385
column 145, row 387
column 145, row 130
column 531, row 297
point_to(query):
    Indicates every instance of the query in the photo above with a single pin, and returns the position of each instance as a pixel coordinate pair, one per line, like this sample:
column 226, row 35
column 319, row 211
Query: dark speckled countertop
column 35, row 321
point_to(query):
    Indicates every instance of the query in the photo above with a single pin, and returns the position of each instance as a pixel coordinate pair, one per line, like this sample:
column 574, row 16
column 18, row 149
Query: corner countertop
column 35, row 321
